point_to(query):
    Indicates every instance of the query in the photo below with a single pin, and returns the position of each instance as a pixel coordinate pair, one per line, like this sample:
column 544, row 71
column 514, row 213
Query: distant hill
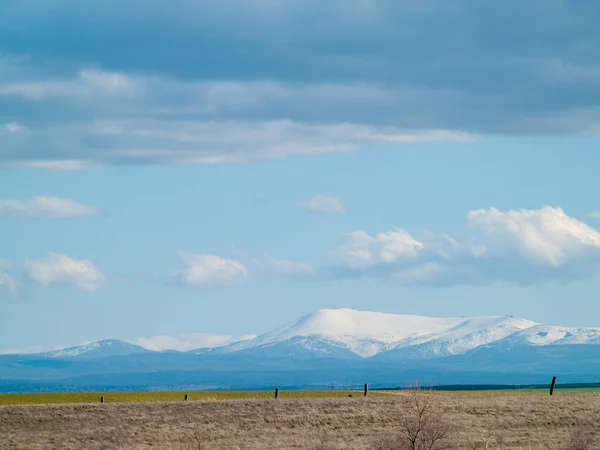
column 99, row 349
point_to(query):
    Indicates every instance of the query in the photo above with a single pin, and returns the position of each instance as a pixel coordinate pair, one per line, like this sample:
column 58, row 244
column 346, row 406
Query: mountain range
column 340, row 346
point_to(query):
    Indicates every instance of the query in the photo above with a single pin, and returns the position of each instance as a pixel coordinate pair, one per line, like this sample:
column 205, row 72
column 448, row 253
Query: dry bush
column 198, row 442
column 423, row 427
column 582, row 439
column 199, row 438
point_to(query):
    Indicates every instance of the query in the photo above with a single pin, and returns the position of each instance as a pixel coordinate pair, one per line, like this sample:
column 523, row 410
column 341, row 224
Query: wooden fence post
column 186, row 397
column 366, row 389
column 276, row 392
column 552, row 385
column 102, row 399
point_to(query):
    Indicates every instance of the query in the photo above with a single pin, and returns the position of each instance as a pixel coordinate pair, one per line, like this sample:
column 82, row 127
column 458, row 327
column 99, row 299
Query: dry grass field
column 474, row 421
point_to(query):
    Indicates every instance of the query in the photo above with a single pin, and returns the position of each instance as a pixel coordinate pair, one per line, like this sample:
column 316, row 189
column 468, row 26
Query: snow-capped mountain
column 340, row 346
column 370, row 333
column 99, row 349
column 348, row 334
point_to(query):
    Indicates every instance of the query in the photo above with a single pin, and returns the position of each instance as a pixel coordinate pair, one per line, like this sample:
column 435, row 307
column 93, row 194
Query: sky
column 185, row 174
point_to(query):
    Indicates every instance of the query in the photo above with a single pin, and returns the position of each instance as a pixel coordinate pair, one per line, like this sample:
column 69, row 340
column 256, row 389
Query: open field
column 478, row 421
column 167, row 396
column 110, row 397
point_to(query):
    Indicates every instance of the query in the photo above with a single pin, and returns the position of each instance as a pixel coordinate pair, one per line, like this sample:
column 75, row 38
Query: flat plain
column 110, row 397
column 497, row 420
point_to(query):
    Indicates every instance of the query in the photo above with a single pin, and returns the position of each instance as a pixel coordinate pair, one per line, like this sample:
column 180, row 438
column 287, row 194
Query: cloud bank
column 368, row 72
column 524, row 246
column 520, row 246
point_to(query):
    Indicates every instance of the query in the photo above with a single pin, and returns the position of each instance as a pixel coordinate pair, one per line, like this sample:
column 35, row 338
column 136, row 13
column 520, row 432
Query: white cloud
column 326, row 203
column 8, row 284
column 545, row 235
column 61, row 164
column 521, row 246
column 594, row 214
column 210, row 270
column 189, row 341
column 185, row 141
column 317, row 84
column 44, row 206
column 62, row 269
column 363, row 250
column 14, row 127
column 153, row 120
column 85, row 86
column 285, row 267
column 109, row 82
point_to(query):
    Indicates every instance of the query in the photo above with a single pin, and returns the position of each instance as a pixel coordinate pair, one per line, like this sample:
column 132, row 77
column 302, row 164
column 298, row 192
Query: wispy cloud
column 210, row 270
column 14, row 127
column 172, row 141
column 594, row 214
column 85, row 86
column 60, row 164
column 56, row 268
column 44, row 207
column 326, row 204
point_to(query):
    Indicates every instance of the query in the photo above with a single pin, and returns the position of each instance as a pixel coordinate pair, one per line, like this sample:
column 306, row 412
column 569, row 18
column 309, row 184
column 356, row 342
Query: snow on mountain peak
column 345, row 324
column 369, row 333
column 341, row 332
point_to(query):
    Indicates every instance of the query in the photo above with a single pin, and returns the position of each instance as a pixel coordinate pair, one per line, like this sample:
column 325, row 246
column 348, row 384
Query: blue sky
column 183, row 175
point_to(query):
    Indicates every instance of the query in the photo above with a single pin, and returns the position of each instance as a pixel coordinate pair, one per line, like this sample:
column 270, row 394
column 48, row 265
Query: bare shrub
column 198, row 439
column 582, row 439
column 423, row 427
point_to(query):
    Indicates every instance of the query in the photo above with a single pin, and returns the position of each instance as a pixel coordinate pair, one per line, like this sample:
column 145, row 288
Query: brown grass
column 478, row 422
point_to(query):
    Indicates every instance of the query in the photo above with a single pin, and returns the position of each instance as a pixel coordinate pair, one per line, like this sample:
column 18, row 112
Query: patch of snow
column 556, row 335
column 104, row 348
column 74, row 351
